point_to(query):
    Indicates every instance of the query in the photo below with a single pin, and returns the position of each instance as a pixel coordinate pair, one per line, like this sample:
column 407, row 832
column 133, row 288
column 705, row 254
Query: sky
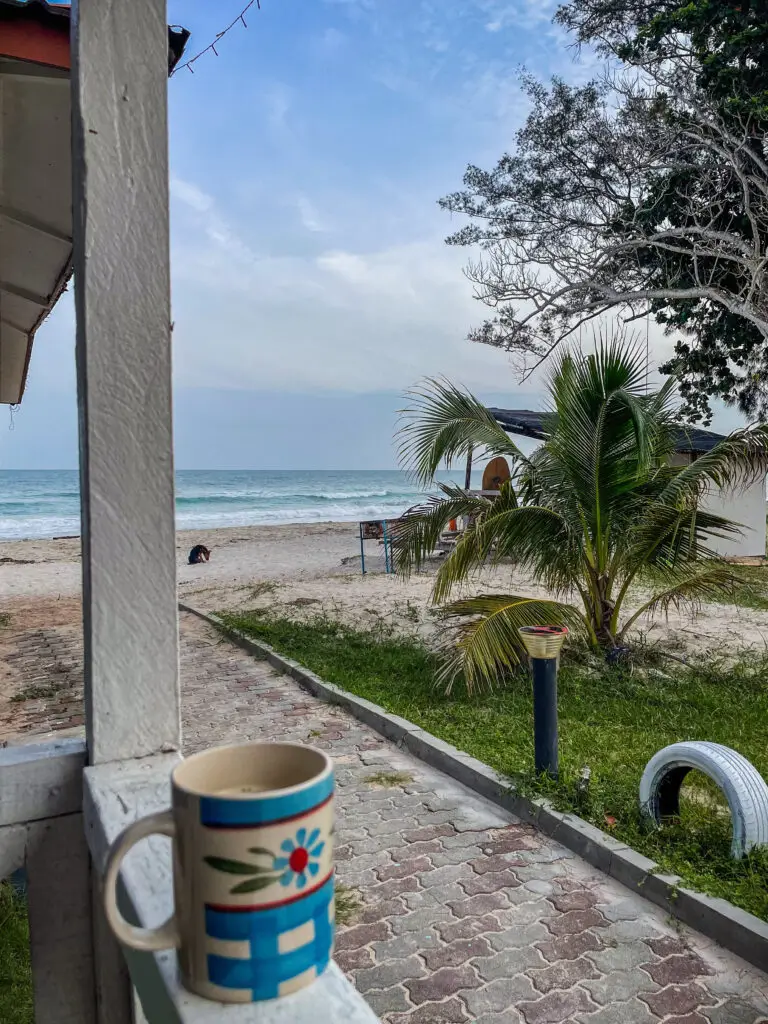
column 311, row 281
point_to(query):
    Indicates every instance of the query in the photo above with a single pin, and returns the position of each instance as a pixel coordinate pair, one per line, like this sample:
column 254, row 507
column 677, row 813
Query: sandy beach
column 300, row 570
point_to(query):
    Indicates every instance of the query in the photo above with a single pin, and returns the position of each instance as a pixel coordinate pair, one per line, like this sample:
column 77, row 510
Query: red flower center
column 298, row 860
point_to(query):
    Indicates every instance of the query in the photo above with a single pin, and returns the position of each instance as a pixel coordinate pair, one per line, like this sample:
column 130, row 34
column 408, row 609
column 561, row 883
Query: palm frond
column 487, row 647
column 690, row 584
column 416, row 535
column 530, row 535
column 445, row 423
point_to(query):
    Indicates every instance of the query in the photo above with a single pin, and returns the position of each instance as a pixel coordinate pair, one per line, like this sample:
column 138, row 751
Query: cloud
column 309, row 216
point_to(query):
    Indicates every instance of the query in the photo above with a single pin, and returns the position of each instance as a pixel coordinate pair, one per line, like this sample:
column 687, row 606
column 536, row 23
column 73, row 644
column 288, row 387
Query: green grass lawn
column 15, row 970
column 612, row 720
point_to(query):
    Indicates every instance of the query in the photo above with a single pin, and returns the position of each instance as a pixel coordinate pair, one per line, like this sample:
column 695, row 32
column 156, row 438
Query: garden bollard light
column 543, row 644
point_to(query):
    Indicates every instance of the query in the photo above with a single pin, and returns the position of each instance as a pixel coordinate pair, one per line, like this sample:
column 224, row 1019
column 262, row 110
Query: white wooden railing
column 61, row 804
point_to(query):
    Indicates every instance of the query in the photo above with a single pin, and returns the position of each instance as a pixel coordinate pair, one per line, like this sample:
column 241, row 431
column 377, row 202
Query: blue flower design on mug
column 301, row 860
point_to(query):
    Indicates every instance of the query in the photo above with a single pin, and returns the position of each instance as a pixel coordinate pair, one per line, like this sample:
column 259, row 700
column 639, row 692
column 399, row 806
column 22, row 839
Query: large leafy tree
column 597, row 510
column 644, row 191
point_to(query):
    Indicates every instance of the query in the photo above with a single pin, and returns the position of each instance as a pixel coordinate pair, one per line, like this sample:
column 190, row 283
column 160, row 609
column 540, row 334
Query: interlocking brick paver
column 678, row 999
column 499, row 995
column 562, row 974
column 389, row 974
column 508, row 963
column 556, row 1006
column 467, row 915
column 456, row 952
column 449, row 1012
column 618, row 986
column 677, row 969
column 439, row 985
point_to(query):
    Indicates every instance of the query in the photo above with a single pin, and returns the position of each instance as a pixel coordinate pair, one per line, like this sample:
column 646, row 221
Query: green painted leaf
column 261, row 850
column 254, row 884
column 233, row 867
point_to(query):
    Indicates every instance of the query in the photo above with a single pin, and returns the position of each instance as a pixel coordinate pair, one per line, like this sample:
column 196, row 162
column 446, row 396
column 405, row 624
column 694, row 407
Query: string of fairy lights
column 238, row 22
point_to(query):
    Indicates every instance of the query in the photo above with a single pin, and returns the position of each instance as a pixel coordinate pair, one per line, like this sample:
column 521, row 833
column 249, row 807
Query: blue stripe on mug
column 229, row 812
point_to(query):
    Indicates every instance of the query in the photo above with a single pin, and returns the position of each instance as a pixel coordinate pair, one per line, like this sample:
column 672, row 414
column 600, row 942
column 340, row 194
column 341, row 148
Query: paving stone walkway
column 464, row 914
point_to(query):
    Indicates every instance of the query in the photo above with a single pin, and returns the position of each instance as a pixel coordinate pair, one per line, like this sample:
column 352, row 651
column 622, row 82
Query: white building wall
column 746, row 507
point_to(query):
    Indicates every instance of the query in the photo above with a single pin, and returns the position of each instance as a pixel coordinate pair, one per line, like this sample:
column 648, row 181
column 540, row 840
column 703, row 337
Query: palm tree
column 597, row 509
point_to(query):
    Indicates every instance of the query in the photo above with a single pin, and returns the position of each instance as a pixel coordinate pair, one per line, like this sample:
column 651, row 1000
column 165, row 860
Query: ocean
column 45, row 503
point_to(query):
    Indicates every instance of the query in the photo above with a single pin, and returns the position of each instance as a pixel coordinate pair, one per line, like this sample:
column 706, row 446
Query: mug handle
column 166, row 935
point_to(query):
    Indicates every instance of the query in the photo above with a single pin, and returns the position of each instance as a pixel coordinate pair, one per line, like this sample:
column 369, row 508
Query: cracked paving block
column 576, row 921
column 667, row 946
column 579, row 899
column 403, row 945
column 499, row 995
column 490, row 882
column 400, row 869
column 430, row 848
column 562, row 974
column 623, row 930
column 459, row 855
column 418, row 835
column 618, row 986
column 467, row 927
column 482, row 904
column 382, row 911
column 508, row 963
column 361, row 935
column 543, row 872
column 679, row 999
column 677, row 969
column 353, row 959
column 464, row 840
column 734, row 1011
column 623, row 910
column 631, row 1012
column 388, row 1000
column 448, row 981
column 361, row 846
column 420, row 920
column 449, row 1012
column 555, row 1007
column 393, row 972
column 540, row 888
column 441, row 894
column 568, row 947
column 456, row 953
column 517, row 938
column 526, row 913
column 394, row 887
column 497, row 862
column 619, row 958
column 444, row 875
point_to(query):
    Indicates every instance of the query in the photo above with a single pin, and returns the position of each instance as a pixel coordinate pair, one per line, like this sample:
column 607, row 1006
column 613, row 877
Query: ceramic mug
column 252, row 870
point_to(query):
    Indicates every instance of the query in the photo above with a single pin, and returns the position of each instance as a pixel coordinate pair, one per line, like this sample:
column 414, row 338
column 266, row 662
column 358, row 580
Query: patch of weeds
column 37, row 692
column 388, row 778
column 5, row 620
column 314, row 733
column 348, row 903
column 302, row 602
column 612, row 719
column 262, row 589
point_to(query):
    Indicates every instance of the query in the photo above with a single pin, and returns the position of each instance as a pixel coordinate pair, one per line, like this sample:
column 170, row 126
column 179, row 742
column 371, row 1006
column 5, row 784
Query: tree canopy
column 644, row 191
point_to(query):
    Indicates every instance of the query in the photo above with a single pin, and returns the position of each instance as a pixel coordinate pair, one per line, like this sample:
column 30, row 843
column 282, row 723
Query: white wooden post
column 122, row 294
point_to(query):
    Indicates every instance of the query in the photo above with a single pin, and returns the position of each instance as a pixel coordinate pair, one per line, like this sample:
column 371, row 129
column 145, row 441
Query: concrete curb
column 734, row 929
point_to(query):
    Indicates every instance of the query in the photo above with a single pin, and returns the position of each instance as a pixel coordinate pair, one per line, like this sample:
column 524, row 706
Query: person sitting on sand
column 198, row 554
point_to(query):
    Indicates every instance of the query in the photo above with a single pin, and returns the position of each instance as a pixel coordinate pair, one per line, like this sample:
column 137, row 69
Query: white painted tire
column 741, row 783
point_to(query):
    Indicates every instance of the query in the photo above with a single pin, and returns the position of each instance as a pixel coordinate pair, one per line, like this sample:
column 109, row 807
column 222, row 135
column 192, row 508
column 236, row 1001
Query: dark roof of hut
column 531, row 424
